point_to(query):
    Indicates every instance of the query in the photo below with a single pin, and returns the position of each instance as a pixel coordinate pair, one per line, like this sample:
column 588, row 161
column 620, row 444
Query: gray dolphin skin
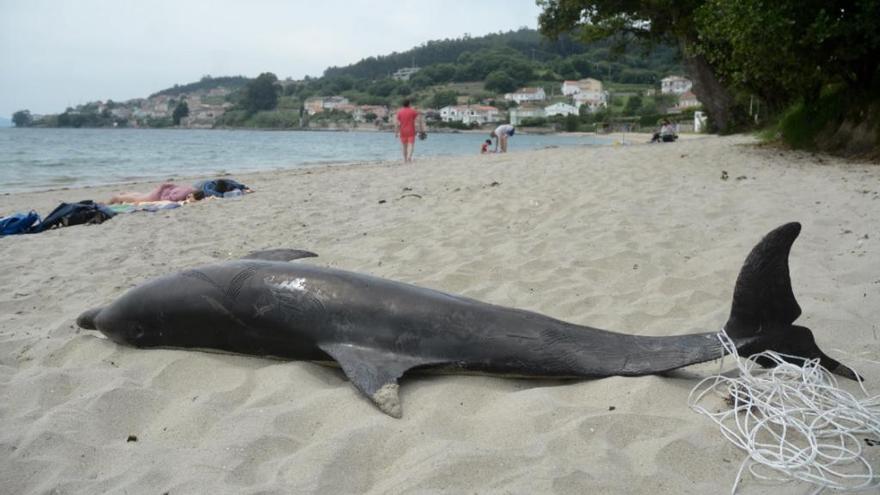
column 378, row 329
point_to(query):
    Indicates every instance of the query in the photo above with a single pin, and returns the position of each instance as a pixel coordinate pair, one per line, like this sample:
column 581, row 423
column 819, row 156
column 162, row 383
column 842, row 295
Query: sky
column 57, row 53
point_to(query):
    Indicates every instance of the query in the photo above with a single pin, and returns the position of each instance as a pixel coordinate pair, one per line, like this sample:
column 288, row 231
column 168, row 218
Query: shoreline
column 226, row 171
column 641, row 239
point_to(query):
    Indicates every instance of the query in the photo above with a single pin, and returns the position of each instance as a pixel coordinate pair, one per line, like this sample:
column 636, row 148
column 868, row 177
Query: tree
column 403, row 90
column 655, row 21
column 500, row 81
column 180, row 111
column 633, row 105
column 22, row 118
column 443, row 99
column 261, row 93
column 383, row 88
column 785, row 50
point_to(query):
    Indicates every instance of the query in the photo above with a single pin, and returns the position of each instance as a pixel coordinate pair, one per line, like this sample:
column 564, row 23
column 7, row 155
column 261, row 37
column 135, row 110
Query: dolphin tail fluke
column 373, row 372
column 764, row 306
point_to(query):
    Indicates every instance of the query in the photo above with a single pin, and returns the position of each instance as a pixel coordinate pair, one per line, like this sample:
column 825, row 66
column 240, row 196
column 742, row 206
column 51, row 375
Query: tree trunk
column 715, row 98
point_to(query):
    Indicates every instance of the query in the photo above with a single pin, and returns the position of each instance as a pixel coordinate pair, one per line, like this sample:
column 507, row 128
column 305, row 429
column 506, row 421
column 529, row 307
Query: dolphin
column 376, row 329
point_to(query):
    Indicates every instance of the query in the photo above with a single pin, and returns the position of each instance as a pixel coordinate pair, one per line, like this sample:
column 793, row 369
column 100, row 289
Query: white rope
column 794, row 421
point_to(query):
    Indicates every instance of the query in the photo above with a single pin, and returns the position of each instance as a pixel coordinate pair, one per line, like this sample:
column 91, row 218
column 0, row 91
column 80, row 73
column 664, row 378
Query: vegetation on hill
column 467, row 69
column 811, row 66
column 205, row 83
column 522, row 54
column 474, row 70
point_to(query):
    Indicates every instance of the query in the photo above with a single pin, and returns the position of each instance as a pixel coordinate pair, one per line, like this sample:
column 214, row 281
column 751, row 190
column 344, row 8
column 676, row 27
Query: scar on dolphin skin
column 377, row 330
column 238, row 281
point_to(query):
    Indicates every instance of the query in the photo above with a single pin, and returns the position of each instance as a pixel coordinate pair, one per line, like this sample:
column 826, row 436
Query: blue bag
column 18, row 223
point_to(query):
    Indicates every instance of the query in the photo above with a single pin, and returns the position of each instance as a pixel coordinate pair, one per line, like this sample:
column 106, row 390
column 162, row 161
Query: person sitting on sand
column 668, row 132
column 165, row 192
column 485, row 147
column 665, row 134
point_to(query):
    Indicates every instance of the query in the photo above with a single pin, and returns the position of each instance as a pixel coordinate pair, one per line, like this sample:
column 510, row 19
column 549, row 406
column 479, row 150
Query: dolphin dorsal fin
column 279, row 255
column 373, row 372
column 763, row 296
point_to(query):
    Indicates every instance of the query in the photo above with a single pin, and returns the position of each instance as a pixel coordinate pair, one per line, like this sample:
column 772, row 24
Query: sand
column 645, row 239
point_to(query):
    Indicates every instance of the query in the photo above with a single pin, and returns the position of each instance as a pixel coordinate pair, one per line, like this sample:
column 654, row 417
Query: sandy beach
column 645, row 239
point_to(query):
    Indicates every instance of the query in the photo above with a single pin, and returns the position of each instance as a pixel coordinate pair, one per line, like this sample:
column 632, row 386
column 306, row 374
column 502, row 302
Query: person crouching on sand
column 405, row 129
column 485, row 147
column 501, row 134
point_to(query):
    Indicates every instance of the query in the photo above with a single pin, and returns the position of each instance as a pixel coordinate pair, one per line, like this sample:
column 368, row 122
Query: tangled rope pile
column 793, row 421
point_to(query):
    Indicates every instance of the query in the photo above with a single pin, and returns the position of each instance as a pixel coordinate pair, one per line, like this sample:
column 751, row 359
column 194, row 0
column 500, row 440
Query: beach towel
column 18, row 223
column 157, row 206
column 67, row 214
column 150, row 206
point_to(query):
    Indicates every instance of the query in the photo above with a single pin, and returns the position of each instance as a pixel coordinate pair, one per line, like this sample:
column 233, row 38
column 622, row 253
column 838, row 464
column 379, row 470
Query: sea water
column 38, row 159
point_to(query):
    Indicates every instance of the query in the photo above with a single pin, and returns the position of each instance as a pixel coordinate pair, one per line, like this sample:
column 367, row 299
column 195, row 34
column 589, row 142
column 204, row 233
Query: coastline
column 641, row 239
column 34, row 160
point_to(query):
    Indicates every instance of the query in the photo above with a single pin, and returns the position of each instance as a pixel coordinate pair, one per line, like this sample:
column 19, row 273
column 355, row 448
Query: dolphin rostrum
column 378, row 329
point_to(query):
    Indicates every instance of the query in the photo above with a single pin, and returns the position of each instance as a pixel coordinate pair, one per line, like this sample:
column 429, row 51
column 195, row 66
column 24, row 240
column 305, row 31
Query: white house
column 452, row 113
column 318, row 104
column 560, row 109
column 675, row 85
column 480, row 114
column 685, row 101
column 526, row 94
column 121, row 112
column 202, row 116
column 332, row 102
column 589, row 84
column 688, row 100
column 593, row 101
column 361, row 112
column 314, row 105
column 525, row 112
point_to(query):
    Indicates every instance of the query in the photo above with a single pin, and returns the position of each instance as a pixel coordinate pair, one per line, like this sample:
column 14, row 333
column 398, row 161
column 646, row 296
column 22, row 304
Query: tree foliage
column 206, row 83
column 521, row 53
column 500, row 81
column 22, row 118
column 633, row 105
column 442, row 99
column 261, row 93
column 180, row 111
column 787, row 50
column 788, row 53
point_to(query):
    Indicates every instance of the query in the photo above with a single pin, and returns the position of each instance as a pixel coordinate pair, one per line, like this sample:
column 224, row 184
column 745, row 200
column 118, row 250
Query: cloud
column 58, row 53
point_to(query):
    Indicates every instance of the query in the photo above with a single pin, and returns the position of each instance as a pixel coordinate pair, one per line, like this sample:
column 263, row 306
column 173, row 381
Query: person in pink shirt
column 405, row 128
column 165, row 192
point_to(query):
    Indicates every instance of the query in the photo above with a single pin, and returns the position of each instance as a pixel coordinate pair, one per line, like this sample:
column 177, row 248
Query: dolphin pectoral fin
column 373, row 372
column 279, row 255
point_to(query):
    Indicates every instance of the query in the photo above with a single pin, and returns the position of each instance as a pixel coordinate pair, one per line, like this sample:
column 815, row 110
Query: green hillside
column 526, row 50
column 468, row 69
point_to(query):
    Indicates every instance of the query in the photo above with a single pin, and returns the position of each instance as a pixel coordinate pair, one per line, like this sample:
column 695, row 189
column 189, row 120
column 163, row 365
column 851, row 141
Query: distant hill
column 467, row 69
column 566, row 56
column 4, row 122
column 206, row 83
